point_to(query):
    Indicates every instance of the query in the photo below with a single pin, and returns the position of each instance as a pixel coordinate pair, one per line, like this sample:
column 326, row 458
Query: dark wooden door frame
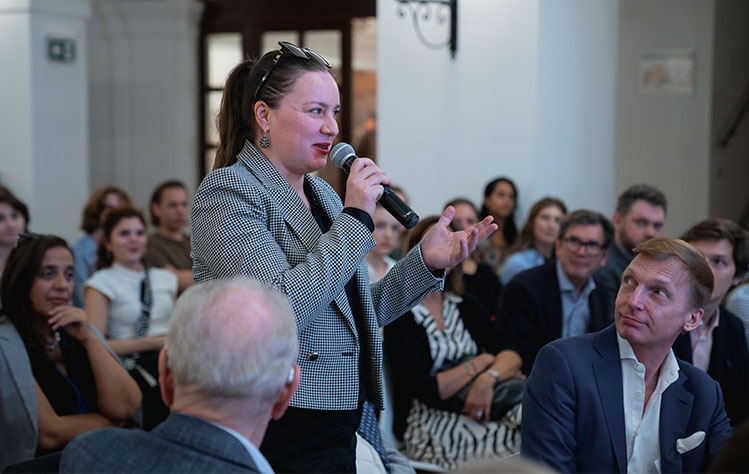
column 253, row 17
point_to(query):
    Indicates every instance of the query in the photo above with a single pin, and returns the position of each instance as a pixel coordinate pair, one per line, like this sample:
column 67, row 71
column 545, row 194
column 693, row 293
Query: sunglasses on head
column 289, row 48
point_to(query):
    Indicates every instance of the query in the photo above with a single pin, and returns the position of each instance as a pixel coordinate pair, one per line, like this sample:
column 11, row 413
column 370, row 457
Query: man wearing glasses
column 560, row 298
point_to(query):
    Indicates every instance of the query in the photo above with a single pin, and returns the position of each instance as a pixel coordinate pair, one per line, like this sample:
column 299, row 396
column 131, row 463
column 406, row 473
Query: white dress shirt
column 642, row 424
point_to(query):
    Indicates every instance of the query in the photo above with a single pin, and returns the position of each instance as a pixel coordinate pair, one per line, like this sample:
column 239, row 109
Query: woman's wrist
column 470, row 368
column 493, row 374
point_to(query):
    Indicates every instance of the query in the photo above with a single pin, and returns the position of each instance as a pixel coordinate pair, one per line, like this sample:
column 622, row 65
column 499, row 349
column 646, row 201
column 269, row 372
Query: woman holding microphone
column 260, row 213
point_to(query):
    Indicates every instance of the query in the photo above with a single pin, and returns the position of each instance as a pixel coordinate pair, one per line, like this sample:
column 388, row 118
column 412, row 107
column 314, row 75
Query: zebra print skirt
column 449, row 439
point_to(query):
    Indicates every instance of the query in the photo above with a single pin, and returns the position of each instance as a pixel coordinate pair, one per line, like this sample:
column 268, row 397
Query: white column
column 144, row 94
column 531, row 94
column 44, row 112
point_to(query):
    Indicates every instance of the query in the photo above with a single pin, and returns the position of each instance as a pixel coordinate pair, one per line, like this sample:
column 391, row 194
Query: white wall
column 144, row 94
column 44, row 116
column 577, row 74
column 665, row 140
column 529, row 96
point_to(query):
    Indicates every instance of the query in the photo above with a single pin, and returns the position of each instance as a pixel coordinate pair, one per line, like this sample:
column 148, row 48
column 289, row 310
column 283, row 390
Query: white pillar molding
column 44, row 118
column 144, row 94
column 77, row 9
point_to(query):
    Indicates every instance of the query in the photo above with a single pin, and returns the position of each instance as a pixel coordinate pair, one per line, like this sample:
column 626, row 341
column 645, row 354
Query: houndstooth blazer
column 248, row 220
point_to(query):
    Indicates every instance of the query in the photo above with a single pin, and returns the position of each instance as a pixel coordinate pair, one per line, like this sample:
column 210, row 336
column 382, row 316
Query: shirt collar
column 565, row 285
column 669, row 370
column 262, row 464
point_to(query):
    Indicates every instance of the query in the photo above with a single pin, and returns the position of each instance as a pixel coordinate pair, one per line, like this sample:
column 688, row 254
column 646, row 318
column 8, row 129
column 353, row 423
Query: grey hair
column 232, row 339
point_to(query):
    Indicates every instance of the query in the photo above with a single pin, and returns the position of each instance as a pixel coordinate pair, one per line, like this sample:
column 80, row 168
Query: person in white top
column 131, row 304
column 618, row 400
column 227, row 368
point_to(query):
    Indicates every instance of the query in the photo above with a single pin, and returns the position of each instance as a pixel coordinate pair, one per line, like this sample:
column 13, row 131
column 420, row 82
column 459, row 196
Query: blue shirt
column 518, row 262
column 84, row 255
column 575, row 307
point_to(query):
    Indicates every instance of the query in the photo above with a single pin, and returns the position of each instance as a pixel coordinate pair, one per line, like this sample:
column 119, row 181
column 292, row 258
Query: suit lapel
column 676, row 407
column 608, row 373
column 600, row 310
column 721, row 343
column 12, row 346
column 295, row 213
column 553, row 301
column 331, row 210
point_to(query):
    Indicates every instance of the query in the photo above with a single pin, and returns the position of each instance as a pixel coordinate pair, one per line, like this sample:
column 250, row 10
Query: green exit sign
column 61, row 50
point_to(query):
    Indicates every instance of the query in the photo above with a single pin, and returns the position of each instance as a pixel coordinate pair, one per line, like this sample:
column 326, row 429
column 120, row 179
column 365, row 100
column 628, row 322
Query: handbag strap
column 146, row 299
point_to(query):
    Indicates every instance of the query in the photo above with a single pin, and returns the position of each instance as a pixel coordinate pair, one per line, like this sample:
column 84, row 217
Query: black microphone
column 343, row 155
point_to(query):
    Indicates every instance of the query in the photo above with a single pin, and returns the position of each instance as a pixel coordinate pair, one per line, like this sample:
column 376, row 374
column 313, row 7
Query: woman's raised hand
column 442, row 248
column 364, row 185
column 72, row 320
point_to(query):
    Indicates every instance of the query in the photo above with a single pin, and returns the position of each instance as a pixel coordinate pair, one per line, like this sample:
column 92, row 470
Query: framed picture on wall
column 666, row 72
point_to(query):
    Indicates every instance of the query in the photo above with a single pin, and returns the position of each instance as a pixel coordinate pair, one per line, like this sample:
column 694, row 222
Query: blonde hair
column 661, row 249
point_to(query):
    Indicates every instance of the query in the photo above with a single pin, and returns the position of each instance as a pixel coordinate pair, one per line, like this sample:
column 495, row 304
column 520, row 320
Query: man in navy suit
column 227, row 367
column 619, row 400
column 560, row 298
column 718, row 345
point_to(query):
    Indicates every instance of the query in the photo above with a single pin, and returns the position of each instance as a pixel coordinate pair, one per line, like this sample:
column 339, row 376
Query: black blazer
column 729, row 363
column 529, row 313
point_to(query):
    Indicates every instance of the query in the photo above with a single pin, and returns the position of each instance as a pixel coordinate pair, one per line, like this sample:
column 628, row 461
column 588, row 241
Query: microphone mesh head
column 340, row 153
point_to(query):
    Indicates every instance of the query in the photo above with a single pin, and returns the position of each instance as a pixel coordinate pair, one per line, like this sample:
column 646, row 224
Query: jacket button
column 313, row 356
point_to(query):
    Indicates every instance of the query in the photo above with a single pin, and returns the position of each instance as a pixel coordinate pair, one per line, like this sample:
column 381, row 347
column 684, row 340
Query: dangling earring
column 264, row 142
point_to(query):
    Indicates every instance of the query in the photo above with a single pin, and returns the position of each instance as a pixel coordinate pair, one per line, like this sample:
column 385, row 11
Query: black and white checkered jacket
column 248, row 220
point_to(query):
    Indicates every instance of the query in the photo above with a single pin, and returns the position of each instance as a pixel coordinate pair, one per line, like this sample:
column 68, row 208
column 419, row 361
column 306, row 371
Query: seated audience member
column 65, row 377
column 500, row 196
column 535, row 245
column 387, row 235
column 737, row 302
column 479, row 280
column 717, row 345
column 560, row 298
column 619, row 400
column 446, row 361
column 85, row 249
column 227, row 368
column 169, row 246
column 14, row 217
column 639, row 216
column 130, row 304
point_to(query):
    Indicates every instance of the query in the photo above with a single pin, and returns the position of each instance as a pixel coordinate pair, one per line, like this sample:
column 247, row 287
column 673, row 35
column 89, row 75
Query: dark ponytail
column 235, row 119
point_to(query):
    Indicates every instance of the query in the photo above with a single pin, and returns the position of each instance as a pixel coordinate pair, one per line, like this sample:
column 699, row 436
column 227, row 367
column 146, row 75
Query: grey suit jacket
column 18, row 415
column 248, row 220
column 181, row 443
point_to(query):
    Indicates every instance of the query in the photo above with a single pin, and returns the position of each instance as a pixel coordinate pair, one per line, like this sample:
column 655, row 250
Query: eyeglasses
column 288, row 48
column 592, row 248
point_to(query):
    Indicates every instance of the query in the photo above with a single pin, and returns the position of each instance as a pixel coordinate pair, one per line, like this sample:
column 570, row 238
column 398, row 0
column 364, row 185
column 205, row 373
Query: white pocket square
column 687, row 444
